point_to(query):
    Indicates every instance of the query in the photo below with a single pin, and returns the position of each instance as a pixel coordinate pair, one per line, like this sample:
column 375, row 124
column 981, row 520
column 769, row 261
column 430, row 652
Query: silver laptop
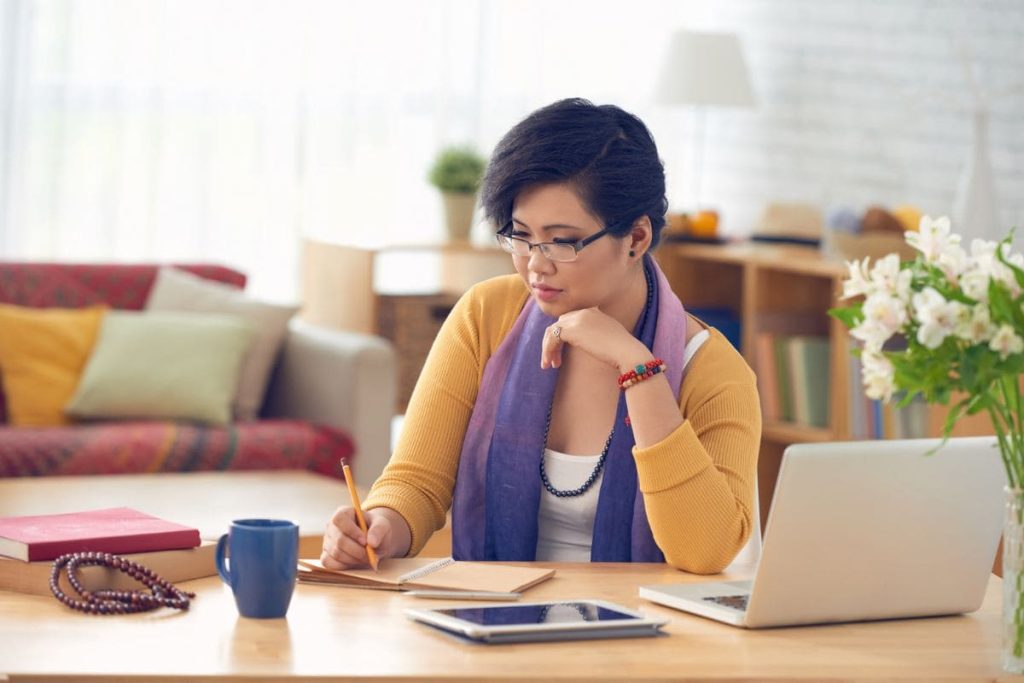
column 866, row 530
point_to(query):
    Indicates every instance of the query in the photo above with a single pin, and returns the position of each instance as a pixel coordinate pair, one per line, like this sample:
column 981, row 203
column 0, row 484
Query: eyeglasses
column 561, row 252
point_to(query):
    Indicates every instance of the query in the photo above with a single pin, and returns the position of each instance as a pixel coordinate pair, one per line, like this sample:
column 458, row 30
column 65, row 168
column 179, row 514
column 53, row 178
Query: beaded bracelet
column 641, row 372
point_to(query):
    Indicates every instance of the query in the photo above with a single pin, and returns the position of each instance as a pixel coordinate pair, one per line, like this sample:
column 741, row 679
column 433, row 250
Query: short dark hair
column 605, row 153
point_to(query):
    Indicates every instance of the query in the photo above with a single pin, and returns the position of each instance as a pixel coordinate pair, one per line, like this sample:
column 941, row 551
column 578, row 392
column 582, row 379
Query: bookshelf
column 776, row 289
column 784, row 290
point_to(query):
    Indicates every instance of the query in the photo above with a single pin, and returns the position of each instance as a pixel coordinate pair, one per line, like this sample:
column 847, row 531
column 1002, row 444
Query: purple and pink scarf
column 498, row 488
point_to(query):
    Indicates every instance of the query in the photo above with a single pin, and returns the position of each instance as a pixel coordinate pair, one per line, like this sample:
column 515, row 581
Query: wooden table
column 347, row 634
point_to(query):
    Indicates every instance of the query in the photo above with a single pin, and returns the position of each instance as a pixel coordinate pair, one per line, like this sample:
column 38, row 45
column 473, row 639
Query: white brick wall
column 863, row 102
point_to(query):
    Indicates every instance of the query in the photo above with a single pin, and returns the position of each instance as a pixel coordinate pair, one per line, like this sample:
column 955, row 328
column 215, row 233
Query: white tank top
column 565, row 526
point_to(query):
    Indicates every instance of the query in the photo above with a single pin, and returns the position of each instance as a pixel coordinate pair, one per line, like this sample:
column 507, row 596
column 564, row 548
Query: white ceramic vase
column 976, row 208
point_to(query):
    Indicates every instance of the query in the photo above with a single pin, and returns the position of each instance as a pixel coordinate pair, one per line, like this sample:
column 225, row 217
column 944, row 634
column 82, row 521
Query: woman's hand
column 345, row 543
column 596, row 333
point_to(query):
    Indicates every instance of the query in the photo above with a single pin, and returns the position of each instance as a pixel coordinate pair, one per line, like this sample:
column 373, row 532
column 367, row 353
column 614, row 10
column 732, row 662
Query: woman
column 583, row 416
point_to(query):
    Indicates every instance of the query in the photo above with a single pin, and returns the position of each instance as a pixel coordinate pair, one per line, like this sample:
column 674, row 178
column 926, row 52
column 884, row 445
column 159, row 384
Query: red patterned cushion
column 77, row 285
column 139, row 447
column 66, row 285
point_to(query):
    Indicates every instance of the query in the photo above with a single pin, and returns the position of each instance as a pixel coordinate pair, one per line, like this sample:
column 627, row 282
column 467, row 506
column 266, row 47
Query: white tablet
column 540, row 621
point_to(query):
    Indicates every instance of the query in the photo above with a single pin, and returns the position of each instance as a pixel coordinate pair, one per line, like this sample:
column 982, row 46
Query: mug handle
column 222, row 567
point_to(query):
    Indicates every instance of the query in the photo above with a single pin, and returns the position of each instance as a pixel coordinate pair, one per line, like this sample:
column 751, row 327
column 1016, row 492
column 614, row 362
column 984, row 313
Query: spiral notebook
column 415, row 573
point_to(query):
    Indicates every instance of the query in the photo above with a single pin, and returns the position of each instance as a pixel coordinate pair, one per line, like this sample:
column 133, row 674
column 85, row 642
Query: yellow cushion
column 42, row 354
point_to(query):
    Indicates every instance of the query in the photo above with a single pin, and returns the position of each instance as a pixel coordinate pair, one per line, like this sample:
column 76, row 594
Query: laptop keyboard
column 737, row 602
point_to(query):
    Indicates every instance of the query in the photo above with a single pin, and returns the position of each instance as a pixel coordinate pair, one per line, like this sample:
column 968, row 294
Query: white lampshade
column 704, row 69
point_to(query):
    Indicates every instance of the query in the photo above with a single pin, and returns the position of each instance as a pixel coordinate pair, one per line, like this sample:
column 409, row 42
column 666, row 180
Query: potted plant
column 457, row 172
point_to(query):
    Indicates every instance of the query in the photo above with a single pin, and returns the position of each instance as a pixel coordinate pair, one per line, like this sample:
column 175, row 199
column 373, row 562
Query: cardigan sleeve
column 698, row 482
column 419, row 480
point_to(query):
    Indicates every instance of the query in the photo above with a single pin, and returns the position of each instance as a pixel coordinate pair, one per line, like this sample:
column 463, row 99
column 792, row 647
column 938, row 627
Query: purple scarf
column 498, row 488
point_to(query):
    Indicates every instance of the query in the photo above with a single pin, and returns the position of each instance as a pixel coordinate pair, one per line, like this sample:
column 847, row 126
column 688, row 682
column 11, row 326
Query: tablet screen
column 560, row 612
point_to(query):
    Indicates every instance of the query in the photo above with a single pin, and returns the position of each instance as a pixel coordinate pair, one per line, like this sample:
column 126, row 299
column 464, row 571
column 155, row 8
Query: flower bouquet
column 950, row 324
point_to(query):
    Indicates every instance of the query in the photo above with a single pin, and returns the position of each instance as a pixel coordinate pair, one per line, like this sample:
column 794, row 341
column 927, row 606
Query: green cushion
column 163, row 366
column 177, row 290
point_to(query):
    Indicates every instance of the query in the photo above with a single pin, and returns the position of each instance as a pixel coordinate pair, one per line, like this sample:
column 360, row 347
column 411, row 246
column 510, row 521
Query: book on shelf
column 767, row 376
column 793, row 377
column 415, row 573
column 859, row 404
column 814, row 357
column 873, row 419
column 798, row 380
column 724, row 320
column 906, row 422
column 782, row 371
column 174, row 565
column 111, row 530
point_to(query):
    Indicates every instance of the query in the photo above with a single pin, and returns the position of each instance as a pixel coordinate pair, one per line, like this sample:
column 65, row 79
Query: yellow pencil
column 370, row 552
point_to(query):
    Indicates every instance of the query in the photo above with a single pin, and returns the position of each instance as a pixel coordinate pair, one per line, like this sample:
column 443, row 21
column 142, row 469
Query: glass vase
column 1013, row 582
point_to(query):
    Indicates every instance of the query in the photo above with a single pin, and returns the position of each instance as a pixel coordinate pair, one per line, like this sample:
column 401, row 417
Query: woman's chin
column 552, row 309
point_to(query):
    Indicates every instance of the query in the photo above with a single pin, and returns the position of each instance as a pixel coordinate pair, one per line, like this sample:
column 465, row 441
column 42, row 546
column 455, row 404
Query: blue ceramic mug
column 263, row 565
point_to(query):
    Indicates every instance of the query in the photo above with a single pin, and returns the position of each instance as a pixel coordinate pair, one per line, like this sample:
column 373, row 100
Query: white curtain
column 229, row 130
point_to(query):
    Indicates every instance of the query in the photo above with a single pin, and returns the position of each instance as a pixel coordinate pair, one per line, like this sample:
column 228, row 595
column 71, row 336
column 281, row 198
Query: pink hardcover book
column 112, row 530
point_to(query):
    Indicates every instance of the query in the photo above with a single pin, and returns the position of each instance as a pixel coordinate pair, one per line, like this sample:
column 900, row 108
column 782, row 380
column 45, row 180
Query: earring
column 632, row 253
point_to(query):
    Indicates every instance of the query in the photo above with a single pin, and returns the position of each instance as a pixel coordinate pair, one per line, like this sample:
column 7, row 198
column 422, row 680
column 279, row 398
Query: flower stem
column 1002, row 424
column 1011, row 445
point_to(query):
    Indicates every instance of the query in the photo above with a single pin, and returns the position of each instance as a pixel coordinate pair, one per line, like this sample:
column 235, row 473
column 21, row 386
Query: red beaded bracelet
column 641, row 372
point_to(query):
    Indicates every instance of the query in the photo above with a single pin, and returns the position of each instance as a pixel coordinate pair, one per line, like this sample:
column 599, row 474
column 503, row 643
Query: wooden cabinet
column 411, row 322
column 415, row 288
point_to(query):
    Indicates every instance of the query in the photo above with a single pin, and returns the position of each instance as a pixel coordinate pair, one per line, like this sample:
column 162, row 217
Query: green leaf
column 977, row 403
column 850, row 316
column 1018, row 274
column 457, row 169
column 951, row 417
column 1001, row 304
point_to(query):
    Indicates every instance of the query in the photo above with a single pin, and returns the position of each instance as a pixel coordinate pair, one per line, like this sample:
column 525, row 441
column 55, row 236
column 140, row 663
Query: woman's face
column 554, row 213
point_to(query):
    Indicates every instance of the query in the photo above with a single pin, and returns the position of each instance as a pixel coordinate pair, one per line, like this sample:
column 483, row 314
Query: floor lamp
column 701, row 70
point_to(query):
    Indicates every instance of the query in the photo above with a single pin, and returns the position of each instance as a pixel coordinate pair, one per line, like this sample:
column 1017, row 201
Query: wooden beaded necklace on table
column 580, row 490
column 162, row 593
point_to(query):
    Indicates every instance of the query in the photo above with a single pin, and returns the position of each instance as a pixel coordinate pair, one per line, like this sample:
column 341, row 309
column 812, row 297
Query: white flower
column 976, row 327
column 903, row 281
column 887, row 277
column 858, row 283
column 884, row 315
column 938, row 317
column 1006, row 342
column 974, row 284
column 952, row 261
column 932, row 238
column 1004, row 274
column 983, row 265
column 879, row 375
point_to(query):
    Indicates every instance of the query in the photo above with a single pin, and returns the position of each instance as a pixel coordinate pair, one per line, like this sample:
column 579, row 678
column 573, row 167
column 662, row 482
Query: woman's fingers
column 378, row 532
column 344, row 542
column 551, row 347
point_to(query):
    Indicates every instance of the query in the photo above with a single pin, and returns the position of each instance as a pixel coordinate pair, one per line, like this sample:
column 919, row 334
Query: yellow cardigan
column 698, row 483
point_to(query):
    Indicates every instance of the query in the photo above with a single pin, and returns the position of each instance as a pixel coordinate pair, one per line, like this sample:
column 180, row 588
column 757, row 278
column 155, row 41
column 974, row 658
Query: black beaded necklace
column 162, row 592
column 579, row 491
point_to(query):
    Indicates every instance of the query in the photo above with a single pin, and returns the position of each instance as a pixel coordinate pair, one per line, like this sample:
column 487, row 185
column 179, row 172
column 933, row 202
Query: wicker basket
column 412, row 323
column 876, row 245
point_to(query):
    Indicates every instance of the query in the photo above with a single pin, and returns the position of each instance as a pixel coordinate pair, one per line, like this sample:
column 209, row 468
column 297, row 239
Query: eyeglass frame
column 577, row 246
